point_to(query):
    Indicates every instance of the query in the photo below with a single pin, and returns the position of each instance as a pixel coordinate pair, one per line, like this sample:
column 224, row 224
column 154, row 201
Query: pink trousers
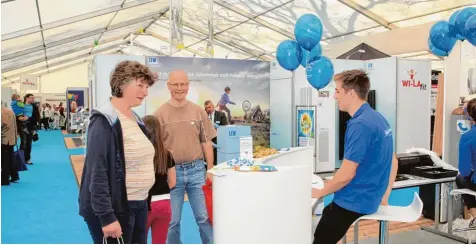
column 159, row 219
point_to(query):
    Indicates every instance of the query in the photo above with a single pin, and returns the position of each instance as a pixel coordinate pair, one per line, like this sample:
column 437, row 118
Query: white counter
column 265, row 207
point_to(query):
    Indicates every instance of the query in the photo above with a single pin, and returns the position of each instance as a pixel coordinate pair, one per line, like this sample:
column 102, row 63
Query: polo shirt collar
column 362, row 108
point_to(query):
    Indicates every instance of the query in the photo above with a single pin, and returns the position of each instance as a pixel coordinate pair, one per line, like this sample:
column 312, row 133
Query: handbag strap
column 120, row 240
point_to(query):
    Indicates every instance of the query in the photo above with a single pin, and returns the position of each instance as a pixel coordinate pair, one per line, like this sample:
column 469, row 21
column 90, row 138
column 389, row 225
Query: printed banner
column 239, row 88
column 75, row 100
column 74, row 103
column 306, row 126
column 28, row 82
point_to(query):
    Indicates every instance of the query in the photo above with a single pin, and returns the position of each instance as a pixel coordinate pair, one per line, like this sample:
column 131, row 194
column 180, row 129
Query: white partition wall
column 281, row 88
column 102, row 66
column 383, row 79
column 413, row 107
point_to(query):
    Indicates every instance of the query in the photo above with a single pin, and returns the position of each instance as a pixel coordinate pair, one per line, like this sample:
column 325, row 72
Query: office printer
column 420, row 164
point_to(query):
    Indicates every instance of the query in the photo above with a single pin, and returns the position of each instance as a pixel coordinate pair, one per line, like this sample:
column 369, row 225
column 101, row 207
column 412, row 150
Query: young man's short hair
column 355, row 79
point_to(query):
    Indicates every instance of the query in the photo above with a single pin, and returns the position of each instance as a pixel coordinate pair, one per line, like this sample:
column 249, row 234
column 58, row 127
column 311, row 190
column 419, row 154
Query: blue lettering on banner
column 153, row 61
column 232, row 133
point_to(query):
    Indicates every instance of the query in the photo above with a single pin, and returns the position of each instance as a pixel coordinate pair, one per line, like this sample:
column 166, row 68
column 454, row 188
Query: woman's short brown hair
column 127, row 71
column 471, row 108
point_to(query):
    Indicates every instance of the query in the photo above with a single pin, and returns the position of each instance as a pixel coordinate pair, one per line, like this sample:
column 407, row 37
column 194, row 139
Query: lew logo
column 412, row 83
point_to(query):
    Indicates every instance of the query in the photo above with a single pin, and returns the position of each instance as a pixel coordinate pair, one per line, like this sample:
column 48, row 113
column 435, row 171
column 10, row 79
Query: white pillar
column 452, row 92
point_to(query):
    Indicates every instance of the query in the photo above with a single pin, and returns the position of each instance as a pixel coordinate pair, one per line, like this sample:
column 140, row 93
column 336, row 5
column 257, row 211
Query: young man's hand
column 384, row 201
column 316, row 193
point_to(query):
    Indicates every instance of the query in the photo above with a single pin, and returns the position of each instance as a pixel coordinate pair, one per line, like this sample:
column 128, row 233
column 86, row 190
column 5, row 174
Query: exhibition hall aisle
column 43, row 206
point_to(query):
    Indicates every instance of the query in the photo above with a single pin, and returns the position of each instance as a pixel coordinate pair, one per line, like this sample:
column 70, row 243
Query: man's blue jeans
column 190, row 179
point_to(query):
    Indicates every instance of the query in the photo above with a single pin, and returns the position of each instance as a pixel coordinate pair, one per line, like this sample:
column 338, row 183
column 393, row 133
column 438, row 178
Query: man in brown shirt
column 9, row 139
column 187, row 135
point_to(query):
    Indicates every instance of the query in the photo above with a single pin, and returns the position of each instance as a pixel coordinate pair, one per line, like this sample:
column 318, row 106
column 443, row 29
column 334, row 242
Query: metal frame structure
column 254, row 51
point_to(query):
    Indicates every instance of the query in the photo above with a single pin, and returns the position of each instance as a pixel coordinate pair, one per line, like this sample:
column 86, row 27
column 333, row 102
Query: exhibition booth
column 268, row 110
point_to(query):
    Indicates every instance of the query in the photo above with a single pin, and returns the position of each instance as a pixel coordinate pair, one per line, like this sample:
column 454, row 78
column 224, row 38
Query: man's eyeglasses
column 177, row 85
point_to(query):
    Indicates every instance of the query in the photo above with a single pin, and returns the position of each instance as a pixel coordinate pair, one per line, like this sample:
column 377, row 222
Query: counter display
column 265, row 207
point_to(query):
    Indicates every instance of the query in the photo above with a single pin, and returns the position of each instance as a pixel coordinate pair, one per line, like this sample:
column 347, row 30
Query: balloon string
column 308, row 106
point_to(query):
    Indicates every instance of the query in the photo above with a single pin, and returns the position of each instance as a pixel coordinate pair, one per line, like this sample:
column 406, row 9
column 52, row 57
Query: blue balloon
column 461, row 19
column 470, row 30
column 453, row 22
column 442, row 36
column 319, row 72
column 289, row 55
column 310, row 55
column 436, row 51
column 308, row 31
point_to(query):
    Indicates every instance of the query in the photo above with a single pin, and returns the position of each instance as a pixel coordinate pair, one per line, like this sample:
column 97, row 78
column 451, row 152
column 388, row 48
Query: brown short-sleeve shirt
column 184, row 129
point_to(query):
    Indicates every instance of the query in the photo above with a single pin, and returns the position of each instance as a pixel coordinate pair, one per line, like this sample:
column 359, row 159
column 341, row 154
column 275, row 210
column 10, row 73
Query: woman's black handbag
column 35, row 136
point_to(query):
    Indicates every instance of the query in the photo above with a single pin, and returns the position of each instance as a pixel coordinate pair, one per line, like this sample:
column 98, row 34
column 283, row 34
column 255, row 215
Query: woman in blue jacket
column 467, row 161
column 119, row 170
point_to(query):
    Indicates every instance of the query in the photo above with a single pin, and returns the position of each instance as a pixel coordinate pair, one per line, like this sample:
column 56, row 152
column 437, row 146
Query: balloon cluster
column 444, row 34
column 72, row 96
column 307, row 51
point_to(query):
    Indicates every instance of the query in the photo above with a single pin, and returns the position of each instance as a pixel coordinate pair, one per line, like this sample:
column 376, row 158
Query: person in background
column 30, row 111
column 56, row 117
column 225, row 99
column 368, row 171
column 9, row 139
column 466, row 178
column 62, row 115
column 36, row 116
column 51, row 117
column 217, row 118
column 187, row 135
column 119, row 166
column 160, row 212
column 21, row 120
column 45, row 116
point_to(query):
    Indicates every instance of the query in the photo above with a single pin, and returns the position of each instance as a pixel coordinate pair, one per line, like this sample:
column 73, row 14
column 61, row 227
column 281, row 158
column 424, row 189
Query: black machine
column 421, row 165
column 418, row 164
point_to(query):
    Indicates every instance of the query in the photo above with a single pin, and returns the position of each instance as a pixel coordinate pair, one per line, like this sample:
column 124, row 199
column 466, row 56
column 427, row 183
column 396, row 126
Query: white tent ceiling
column 51, row 35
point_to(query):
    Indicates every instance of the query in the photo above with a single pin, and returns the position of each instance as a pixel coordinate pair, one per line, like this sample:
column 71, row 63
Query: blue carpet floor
column 43, row 207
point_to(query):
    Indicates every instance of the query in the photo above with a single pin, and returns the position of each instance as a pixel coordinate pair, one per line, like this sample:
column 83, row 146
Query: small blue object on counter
column 256, row 168
column 240, row 162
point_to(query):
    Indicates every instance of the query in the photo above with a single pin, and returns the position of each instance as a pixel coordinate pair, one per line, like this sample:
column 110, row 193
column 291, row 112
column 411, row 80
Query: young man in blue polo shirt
column 368, row 170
